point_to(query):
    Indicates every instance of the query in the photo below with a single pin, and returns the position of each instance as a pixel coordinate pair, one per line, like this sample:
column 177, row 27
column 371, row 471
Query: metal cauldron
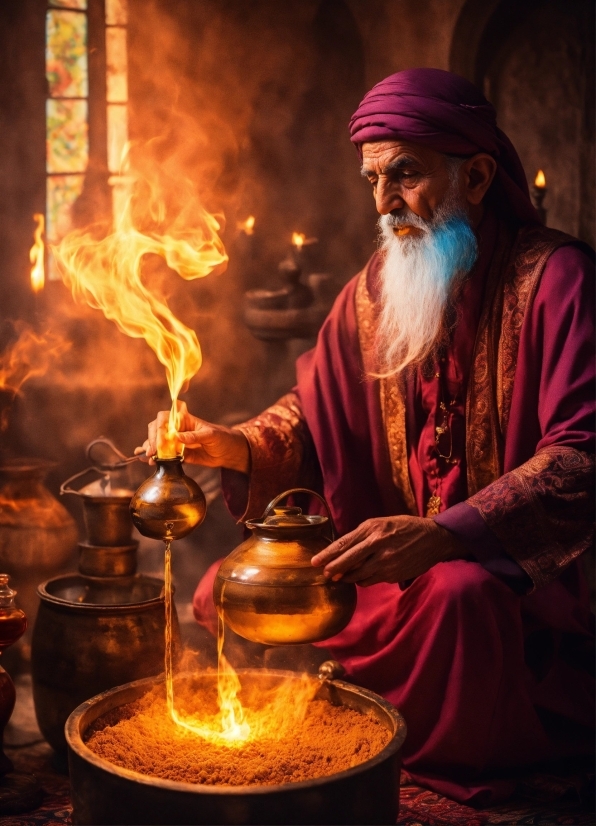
column 103, row 793
column 90, row 635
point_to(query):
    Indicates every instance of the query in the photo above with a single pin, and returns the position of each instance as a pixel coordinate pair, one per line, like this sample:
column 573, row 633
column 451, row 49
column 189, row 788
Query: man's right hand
column 206, row 444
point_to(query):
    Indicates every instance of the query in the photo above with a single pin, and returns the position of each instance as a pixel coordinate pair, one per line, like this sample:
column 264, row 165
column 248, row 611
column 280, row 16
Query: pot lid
column 289, row 517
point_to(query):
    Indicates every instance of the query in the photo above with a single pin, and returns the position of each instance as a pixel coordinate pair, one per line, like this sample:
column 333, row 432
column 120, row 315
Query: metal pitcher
column 269, row 591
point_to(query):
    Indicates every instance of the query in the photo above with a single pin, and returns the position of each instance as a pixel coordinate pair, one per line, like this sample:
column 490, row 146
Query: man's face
column 405, row 177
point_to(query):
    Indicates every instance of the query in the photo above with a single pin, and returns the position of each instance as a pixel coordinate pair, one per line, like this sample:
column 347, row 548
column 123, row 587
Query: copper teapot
column 168, row 505
column 269, row 591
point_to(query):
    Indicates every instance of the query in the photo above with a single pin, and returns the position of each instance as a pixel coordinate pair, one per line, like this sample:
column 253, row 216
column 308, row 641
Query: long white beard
column 419, row 277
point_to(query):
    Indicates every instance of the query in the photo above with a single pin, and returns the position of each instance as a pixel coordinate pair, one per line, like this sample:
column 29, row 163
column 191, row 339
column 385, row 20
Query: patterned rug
column 419, row 807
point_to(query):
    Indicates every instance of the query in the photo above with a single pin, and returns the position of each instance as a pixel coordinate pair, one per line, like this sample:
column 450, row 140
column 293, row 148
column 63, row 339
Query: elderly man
column 446, row 413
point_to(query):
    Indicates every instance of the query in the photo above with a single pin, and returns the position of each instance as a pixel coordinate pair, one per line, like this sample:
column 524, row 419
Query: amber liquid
column 168, row 654
column 13, row 624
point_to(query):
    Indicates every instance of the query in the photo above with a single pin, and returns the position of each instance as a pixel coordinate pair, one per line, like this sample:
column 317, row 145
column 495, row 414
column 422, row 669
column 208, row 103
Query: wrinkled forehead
column 378, row 156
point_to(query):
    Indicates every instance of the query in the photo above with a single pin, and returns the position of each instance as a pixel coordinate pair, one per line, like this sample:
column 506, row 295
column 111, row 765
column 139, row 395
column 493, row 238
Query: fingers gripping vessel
column 268, row 589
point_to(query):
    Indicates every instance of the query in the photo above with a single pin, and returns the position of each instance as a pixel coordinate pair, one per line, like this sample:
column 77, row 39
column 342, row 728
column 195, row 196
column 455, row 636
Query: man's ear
column 478, row 173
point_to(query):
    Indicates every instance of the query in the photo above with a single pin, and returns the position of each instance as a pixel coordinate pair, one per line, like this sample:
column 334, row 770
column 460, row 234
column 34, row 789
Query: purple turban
column 448, row 114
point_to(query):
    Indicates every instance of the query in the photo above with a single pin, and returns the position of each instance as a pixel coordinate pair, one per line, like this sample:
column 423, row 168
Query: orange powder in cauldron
column 142, row 737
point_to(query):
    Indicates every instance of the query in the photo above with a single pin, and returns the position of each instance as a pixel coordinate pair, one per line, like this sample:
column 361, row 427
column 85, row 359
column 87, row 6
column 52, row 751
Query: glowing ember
column 161, row 217
column 248, row 226
column 36, row 255
column 298, row 743
column 540, row 180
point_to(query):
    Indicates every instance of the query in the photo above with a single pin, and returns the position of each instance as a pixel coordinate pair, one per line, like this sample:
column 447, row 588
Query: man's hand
column 205, row 444
column 388, row 549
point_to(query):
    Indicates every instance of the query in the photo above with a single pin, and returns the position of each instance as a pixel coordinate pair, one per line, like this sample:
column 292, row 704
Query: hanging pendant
column 434, row 505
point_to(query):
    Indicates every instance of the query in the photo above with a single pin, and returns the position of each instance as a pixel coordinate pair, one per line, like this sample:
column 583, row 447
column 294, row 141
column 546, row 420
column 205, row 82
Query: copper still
column 269, row 591
column 104, row 625
column 37, row 534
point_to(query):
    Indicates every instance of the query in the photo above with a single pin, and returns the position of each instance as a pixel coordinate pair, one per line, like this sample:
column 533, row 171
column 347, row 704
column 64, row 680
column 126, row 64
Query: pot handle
column 64, row 486
column 290, row 492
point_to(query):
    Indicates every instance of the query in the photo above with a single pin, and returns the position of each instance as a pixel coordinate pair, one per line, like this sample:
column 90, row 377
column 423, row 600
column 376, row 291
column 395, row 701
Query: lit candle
column 248, row 226
column 299, row 241
column 538, row 193
column 36, row 255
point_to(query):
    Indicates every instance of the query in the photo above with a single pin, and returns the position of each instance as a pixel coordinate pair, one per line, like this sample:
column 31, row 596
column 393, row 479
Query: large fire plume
column 160, row 216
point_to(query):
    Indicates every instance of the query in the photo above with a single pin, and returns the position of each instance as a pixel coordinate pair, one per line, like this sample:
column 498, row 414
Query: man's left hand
column 388, row 549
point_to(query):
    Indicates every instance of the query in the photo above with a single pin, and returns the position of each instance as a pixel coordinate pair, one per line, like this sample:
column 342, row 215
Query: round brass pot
column 269, row 591
column 103, row 793
column 168, row 505
column 90, row 635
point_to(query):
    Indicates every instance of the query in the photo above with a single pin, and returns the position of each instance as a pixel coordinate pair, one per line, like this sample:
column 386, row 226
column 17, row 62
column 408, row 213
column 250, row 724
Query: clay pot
column 37, row 534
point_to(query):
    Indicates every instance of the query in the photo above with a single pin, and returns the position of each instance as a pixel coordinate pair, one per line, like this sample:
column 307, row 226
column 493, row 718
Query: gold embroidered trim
column 510, row 289
column 276, row 439
column 534, row 246
column 483, row 437
column 392, row 397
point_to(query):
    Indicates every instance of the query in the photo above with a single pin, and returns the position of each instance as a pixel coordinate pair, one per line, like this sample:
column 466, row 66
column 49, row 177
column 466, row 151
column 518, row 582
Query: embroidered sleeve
column 543, row 511
column 282, row 454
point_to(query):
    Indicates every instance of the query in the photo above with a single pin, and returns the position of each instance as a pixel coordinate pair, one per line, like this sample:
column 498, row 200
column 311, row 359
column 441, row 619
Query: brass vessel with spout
column 168, row 505
column 269, row 591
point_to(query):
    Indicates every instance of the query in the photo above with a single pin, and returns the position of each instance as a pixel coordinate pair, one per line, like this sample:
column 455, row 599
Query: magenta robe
column 484, row 678
column 489, row 681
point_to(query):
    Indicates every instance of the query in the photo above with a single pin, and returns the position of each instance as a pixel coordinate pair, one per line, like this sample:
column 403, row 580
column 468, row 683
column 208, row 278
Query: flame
column 229, row 726
column 161, row 216
column 36, row 254
column 540, row 180
column 28, row 356
column 248, row 226
column 300, row 240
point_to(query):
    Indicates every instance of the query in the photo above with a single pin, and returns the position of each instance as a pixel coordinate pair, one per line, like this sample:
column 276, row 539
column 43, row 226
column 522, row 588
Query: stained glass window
column 67, row 109
column 63, row 191
column 66, row 54
column 67, row 140
column 117, row 97
column 67, row 143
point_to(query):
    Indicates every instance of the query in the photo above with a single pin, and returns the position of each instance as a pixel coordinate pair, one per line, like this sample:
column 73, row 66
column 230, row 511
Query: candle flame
column 248, row 226
column 540, row 180
column 300, row 240
column 160, row 216
column 36, row 254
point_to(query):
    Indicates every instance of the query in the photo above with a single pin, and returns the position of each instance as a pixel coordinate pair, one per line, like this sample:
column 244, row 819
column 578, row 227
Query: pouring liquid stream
column 229, row 726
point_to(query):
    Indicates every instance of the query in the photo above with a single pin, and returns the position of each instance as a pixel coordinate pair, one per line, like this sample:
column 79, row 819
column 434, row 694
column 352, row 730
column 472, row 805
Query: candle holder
column 19, row 792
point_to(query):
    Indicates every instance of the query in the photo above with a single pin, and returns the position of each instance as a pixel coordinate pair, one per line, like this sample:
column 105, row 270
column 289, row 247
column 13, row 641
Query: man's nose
column 387, row 197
